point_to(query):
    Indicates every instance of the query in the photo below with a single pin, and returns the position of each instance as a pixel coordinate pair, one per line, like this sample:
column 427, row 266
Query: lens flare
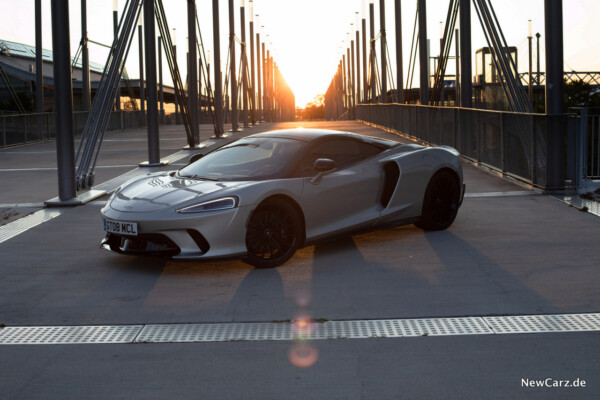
column 303, row 325
column 303, row 355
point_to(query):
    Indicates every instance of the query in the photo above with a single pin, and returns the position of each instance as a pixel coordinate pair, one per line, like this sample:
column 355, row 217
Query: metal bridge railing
column 584, row 146
column 17, row 129
column 494, row 139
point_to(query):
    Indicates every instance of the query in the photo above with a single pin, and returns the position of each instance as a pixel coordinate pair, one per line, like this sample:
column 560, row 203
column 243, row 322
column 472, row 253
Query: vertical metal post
column 85, row 59
column 399, row 66
column 554, row 57
column 232, row 73
column 269, row 86
column 358, row 75
column 63, row 97
column 253, row 79
column 192, row 72
column 116, row 33
column 152, row 117
column 348, row 81
column 199, row 102
column 39, row 63
column 244, row 56
column 383, row 51
column 161, row 92
column 264, row 81
column 372, row 47
column 218, row 100
column 466, row 85
column 423, row 59
column 344, row 81
column 175, row 94
column 530, row 82
column 141, row 56
column 353, row 79
column 537, row 35
column 553, row 18
column 259, row 67
column 457, row 60
column 364, row 60
column 39, row 73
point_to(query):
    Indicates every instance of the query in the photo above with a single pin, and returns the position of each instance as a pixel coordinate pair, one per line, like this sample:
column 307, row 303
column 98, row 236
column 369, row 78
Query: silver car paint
column 342, row 199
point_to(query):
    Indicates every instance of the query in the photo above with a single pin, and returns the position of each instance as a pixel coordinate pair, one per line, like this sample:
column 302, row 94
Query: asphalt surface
column 504, row 255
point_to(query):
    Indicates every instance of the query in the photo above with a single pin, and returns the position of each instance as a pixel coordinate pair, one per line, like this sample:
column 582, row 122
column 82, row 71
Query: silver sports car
column 262, row 197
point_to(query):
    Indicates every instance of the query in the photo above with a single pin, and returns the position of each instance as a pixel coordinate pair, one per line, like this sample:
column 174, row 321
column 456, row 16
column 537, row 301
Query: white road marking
column 504, row 194
column 21, row 225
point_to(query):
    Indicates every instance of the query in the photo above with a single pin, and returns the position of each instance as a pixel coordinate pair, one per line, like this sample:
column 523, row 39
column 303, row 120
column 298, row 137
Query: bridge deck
column 510, row 252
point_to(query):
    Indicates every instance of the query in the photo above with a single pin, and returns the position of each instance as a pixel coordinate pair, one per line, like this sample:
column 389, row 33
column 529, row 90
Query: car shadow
column 260, row 293
column 445, row 276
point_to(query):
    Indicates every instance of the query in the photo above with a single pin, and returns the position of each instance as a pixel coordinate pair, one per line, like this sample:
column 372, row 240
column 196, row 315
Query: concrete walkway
column 510, row 252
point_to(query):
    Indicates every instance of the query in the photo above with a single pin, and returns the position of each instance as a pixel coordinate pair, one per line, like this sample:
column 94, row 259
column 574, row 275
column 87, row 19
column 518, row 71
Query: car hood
column 158, row 192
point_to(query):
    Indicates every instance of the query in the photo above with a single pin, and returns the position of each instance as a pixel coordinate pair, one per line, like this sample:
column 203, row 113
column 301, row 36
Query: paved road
column 505, row 255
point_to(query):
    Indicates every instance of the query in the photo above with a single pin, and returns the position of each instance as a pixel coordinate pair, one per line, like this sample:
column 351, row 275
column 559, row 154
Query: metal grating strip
column 304, row 330
column 69, row 334
column 312, row 331
column 21, row 225
column 544, row 323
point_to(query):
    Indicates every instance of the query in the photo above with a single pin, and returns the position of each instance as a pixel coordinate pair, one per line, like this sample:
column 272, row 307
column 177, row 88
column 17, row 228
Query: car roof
column 312, row 135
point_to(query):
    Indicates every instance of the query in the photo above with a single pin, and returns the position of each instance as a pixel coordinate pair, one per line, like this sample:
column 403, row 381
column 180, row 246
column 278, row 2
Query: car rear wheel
column 441, row 202
column 273, row 234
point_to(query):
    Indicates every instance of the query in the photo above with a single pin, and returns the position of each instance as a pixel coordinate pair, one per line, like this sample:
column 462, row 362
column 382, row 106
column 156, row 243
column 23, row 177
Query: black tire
column 441, row 202
column 274, row 234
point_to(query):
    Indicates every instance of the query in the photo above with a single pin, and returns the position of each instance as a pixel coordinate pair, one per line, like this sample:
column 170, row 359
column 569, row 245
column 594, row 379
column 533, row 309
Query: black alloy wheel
column 441, row 202
column 273, row 234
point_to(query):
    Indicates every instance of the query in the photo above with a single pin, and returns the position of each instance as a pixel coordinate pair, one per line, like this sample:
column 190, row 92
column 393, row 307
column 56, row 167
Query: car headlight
column 224, row 203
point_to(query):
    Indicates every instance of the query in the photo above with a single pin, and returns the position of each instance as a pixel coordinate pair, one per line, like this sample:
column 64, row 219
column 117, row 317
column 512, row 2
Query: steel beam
column 383, row 51
column 232, row 71
column 141, row 59
column 63, row 97
column 466, row 84
column 116, row 33
column 244, row 70
column 399, row 66
column 192, row 72
column 218, row 97
column 161, row 93
column 373, row 64
column 85, row 59
column 553, row 19
column 423, row 57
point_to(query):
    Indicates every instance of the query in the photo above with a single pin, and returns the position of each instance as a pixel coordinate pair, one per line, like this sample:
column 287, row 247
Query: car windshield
column 245, row 159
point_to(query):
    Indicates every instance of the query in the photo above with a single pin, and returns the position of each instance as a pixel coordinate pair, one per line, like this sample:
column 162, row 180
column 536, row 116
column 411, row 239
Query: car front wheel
column 441, row 202
column 273, row 234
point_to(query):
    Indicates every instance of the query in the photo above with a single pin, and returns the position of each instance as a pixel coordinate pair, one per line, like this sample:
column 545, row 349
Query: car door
column 346, row 197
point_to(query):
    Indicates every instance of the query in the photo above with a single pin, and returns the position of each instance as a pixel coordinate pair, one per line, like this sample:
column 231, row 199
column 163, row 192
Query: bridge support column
column 63, row 102
column 152, row 89
column 556, row 154
column 218, row 99
column 423, row 58
column 466, row 84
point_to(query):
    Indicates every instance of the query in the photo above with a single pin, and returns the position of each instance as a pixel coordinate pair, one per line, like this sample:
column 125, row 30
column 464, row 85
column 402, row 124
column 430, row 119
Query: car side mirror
column 195, row 158
column 322, row 165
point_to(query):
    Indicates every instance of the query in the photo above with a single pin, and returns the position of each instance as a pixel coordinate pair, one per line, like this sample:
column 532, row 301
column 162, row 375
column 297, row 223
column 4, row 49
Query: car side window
column 343, row 152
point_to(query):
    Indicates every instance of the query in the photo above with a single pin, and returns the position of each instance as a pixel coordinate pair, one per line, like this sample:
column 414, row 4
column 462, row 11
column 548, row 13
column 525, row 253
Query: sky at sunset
column 305, row 36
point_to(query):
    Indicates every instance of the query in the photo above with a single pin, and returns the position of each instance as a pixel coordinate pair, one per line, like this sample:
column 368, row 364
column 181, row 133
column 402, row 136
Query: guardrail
column 20, row 129
column 514, row 144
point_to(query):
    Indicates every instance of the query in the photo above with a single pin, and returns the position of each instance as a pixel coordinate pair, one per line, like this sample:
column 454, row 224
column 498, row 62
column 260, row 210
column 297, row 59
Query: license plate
column 121, row 227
